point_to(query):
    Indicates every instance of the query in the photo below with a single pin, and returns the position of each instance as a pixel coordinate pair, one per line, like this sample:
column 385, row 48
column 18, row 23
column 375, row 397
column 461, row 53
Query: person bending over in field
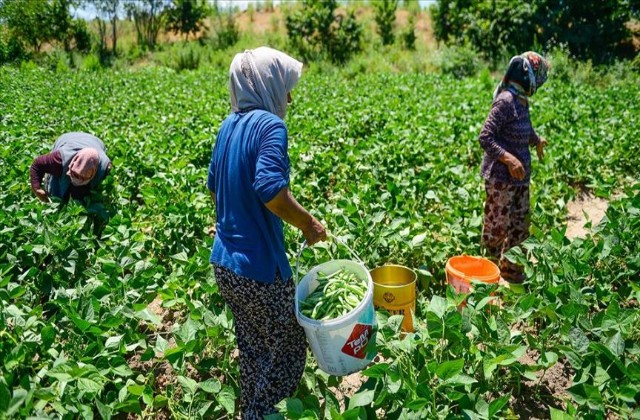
column 506, row 166
column 76, row 164
column 248, row 179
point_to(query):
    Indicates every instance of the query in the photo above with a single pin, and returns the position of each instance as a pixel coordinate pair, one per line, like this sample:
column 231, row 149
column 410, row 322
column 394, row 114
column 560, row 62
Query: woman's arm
column 51, row 163
column 285, row 206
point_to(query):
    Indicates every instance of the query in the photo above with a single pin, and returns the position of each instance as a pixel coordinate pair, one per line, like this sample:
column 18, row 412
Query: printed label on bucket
column 356, row 345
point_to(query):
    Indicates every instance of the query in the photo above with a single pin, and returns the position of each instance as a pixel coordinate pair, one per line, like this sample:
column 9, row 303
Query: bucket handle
column 337, row 240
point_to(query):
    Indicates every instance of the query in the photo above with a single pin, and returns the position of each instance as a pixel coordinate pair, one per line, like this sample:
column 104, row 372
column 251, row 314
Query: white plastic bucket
column 346, row 344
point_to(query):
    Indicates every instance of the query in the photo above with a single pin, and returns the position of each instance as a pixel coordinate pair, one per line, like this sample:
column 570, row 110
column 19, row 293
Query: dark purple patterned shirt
column 507, row 129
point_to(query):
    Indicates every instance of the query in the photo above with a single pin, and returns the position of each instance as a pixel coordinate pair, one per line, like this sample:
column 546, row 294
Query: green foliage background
column 390, row 163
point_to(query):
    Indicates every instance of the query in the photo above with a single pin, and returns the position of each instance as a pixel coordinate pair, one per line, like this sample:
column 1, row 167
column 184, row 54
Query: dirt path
column 582, row 210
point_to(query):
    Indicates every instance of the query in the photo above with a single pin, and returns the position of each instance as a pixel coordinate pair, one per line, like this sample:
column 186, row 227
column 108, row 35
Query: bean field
column 109, row 308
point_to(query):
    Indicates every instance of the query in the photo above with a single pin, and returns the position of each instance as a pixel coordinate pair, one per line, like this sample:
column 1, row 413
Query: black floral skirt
column 272, row 344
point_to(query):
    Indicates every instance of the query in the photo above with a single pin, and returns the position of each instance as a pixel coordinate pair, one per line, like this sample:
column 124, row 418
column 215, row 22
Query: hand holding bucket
column 345, row 344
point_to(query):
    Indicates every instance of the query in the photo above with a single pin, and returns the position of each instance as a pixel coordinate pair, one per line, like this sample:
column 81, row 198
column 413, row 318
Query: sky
column 88, row 12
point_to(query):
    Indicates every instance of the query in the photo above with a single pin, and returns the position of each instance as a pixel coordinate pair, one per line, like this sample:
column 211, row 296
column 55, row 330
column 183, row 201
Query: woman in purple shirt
column 249, row 183
column 506, row 166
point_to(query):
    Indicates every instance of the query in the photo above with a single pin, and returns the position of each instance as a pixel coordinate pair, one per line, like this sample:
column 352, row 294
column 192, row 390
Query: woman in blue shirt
column 248, row 180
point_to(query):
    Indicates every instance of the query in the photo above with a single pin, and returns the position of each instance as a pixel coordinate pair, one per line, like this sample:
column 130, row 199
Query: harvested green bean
column 337, row 294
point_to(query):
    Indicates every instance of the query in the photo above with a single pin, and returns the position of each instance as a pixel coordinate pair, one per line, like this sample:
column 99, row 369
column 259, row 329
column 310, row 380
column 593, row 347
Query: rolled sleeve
column 272, row 164
column 51, row 163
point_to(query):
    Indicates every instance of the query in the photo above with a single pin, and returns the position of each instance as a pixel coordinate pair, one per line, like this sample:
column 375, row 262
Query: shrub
column 226, row 31
column 458, row 61
column 187, row 58
column 92, row 62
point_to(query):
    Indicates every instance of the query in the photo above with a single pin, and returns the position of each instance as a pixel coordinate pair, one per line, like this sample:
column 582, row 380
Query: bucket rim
column 467, row 279
column 393, row 286
column 315, row 323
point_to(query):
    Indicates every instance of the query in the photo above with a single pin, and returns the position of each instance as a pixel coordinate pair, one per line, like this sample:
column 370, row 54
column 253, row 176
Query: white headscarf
column 261, row 79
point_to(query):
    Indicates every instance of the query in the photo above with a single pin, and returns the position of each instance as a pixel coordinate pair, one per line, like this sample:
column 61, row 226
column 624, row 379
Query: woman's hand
column 42, row 195
column 516, row 169
column 314, row 232
column 540, row 147
column 288, row 209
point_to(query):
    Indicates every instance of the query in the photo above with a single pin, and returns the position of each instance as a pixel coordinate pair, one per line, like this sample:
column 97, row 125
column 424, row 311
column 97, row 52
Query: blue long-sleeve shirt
column 249, row 166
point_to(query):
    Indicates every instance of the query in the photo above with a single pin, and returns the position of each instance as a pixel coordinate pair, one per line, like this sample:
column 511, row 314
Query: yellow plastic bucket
column 394, row 289
column 461, row 270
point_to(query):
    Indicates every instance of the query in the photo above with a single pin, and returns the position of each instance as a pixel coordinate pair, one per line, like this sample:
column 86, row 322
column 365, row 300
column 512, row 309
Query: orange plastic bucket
column 461, row 270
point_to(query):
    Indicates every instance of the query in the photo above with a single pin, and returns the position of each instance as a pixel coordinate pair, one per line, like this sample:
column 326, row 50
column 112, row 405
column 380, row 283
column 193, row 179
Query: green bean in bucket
column 337, row 294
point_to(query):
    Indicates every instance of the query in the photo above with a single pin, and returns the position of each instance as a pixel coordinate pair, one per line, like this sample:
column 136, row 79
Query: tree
column 27, row 21
column 107, row 11
column 186, row 16
column 61, row 25
column 316, row 31
column 408, row 35
column 591, row 30
column 148, row 19
column 385, row 17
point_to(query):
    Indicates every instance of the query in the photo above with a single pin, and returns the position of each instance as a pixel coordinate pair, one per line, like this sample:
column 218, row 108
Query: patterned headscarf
column 525, row 74
column 83, row 166
column 261, row 79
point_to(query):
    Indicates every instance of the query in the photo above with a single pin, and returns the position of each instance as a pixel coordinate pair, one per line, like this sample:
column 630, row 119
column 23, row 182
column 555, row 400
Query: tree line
column 595, row 30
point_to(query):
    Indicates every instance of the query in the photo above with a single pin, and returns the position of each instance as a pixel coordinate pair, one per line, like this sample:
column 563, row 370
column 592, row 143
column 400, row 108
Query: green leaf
column 361, row 399
column 378, row 370
column 19, row 395
column 417, row 404
column 584, row 393
column 556, row 414
column 48, row 335
column 181, row 256
column 438, row 306
column 135, row 389
column 5, row 395
column 450, row 369
column 161, row 345
column 211, row 386
column 418, row 239
column 615, row 343
column 461, row 380
column 227, row 399
column 497, row 405
column 105, row 411
column 295, row 408
column 628, row 393
column 113, row 342
column 147, row 315
column 189, row 384
column 89, row 385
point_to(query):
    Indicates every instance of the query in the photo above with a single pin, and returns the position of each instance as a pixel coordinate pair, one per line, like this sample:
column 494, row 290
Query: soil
column 351, row 384
column 534, row 398
column 582, row 210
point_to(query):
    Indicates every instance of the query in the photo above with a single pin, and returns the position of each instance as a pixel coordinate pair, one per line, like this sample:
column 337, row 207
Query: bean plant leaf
column 449, row 369
column 556, row 414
